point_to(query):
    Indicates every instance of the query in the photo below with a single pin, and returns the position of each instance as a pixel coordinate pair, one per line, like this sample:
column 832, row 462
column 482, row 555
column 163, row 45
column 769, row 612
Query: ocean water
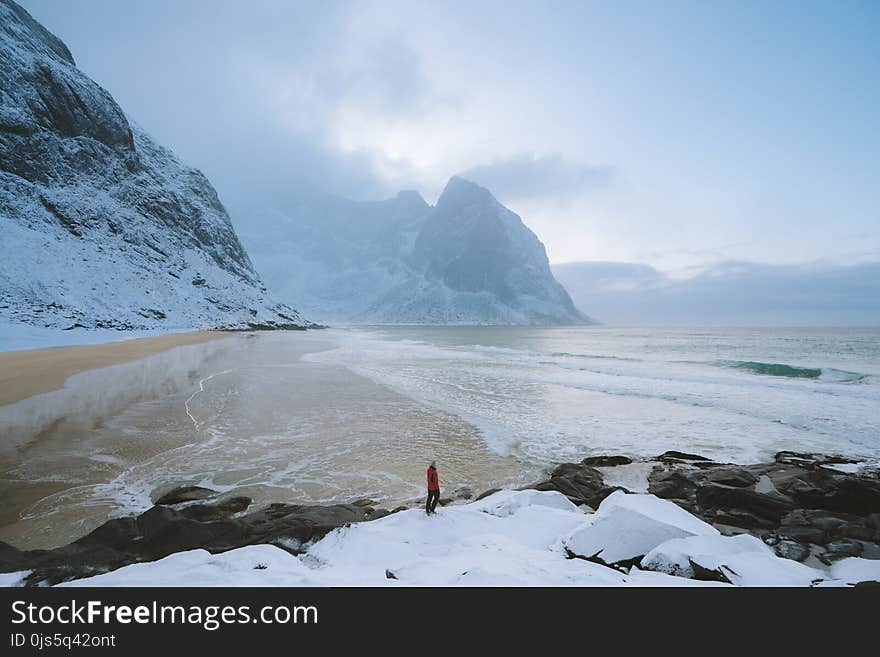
column 544, row 395
column 337, row 415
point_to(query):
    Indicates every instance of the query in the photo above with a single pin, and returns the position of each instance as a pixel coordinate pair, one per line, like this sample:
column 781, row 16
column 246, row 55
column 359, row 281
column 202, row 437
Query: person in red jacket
column 433, row 489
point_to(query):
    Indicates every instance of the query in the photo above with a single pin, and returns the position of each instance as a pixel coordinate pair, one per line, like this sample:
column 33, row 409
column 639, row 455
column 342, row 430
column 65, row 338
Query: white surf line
column 199, row 391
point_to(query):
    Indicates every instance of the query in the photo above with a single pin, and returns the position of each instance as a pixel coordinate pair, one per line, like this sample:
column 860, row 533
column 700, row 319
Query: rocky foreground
column 803, row 519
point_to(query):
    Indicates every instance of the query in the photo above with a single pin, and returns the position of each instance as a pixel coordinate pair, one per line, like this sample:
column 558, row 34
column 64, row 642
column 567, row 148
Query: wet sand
column 33, row 372
column 245, row 416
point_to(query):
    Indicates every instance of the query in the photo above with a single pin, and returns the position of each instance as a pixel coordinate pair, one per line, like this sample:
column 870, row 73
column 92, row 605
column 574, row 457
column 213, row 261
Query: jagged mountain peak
column 461, row 192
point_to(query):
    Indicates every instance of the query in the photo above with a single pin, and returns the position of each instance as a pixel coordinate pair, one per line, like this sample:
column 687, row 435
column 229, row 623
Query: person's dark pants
column 431, row 502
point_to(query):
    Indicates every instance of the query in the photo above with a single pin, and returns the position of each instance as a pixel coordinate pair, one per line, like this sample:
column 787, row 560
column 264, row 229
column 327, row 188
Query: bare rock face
column 475, row 247
column 102, row 226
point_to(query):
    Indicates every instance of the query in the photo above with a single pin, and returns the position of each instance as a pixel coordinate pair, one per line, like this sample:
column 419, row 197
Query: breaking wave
column 793, row 372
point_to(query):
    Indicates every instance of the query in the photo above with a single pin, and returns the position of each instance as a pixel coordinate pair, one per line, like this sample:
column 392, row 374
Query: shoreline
column 115, row 437
column 30, row 372
column 796, row 521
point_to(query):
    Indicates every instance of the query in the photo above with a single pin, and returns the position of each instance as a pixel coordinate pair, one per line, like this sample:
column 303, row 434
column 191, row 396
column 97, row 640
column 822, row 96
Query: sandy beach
column 33, row 372
column 244, row 414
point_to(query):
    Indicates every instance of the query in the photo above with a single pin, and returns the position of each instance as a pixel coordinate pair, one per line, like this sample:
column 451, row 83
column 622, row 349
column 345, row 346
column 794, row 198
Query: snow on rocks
column 507, row 502
column 742, row 560
column 254, row 565
column 853, row 570
column 464, row 545
column 509, row 538
column 628, row 526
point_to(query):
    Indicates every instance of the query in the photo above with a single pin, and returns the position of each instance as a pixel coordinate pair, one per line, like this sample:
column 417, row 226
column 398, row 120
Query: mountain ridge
column 102, row 226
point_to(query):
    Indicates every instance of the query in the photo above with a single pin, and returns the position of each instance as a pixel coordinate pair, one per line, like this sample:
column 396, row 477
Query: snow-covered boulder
column 254, row 565
column 507, row 502
column 628, row 526
column 742, row 560
column 511, row 536
column 853, row 570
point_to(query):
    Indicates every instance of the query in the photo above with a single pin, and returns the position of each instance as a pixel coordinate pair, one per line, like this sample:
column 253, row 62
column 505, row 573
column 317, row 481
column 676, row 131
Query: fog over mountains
column 465, row 260
column 101, row 226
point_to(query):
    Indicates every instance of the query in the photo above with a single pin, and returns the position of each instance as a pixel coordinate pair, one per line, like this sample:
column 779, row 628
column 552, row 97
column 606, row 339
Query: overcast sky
column 670, row 133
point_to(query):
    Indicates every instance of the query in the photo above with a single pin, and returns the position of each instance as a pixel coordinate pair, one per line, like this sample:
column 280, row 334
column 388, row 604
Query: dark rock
column 364, row 502
column 604, row 492
column 742, row 519
column 829, row 525
column 486, row 493
column 580, row 483
column 843, row 493
column 841, row 549
column 687, row 505
column 704, row 465
column 803, row 534
column 707, row 574
column 389, row 574
column 797, row 458
column 398, row 509
column 186, row 494
column 671, row 483
column 860, row 532
column 445, row 501
column 606, row 461
column 719, row 496
column 12, row 559
column 163, row 530
column 220, row 511
column 673, row 455
column 810, row 459
column 732, row 476
column 791, row 550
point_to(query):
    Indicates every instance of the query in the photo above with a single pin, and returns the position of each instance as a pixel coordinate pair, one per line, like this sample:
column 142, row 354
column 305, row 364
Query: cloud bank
column 728, row 293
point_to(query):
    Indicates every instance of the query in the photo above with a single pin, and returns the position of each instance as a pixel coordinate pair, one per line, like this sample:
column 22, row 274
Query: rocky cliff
column 100, row 225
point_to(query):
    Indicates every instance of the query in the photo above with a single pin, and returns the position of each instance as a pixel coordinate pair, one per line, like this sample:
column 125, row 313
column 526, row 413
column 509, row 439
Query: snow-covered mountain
column 100, row 226
column 466, row 260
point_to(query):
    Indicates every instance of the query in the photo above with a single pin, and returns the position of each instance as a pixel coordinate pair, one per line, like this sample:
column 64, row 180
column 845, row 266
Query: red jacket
column 433, row 479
